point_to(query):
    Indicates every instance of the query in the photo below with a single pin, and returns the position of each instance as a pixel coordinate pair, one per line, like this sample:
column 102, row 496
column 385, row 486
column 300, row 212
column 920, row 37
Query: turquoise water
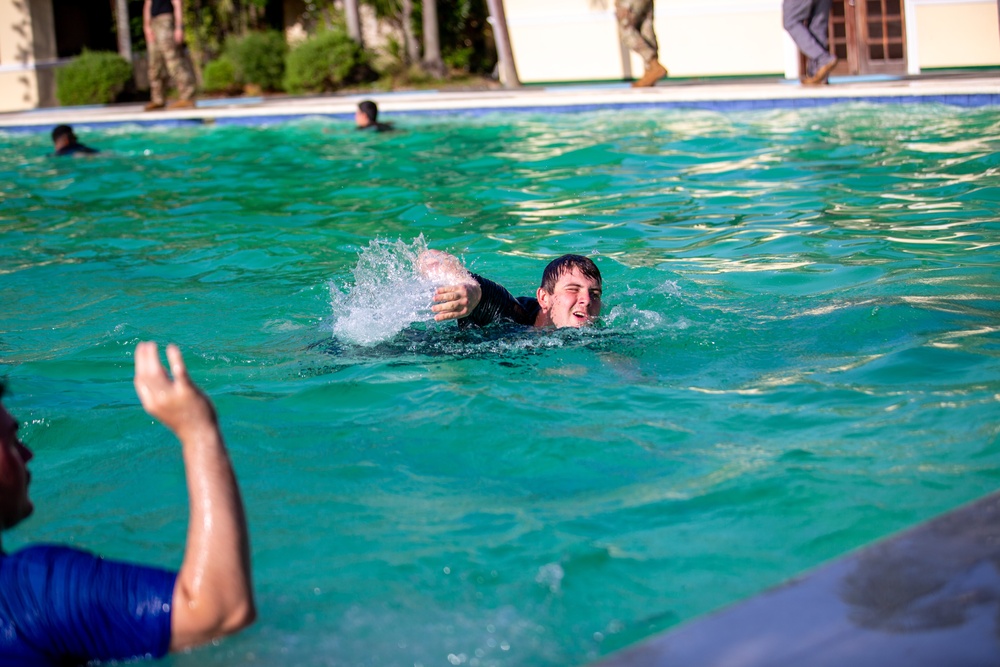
column 799, row 355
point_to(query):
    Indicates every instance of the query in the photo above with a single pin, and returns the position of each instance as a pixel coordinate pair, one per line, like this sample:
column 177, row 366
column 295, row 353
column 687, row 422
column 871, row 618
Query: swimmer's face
column 575, row 300
column 360, row 119
column 14, row 476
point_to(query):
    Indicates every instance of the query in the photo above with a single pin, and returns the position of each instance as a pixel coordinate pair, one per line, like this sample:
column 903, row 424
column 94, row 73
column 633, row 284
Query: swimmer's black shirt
column 77, row 148
column 497, row 304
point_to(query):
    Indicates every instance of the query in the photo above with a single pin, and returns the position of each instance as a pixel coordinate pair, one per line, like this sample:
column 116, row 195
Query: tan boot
column 180, row 104
column 654, row 72
column 154, row 106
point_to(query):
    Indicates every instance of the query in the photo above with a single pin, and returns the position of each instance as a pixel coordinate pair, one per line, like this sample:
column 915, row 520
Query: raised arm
column 213, row 595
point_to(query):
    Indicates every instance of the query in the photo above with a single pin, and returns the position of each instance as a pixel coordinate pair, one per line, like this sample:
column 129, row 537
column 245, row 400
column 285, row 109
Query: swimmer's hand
column 178, row 403
column 453, row 302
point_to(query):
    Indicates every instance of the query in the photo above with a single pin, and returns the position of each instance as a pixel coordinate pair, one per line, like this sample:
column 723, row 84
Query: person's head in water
column 63, row 136
column 366, row 115
column 570, row 294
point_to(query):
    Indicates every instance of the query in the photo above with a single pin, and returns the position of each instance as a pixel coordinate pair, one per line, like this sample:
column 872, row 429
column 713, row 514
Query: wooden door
column 869, row 36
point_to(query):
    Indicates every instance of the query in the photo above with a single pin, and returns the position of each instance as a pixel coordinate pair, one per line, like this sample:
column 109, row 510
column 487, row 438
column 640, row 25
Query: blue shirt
column 62, row 606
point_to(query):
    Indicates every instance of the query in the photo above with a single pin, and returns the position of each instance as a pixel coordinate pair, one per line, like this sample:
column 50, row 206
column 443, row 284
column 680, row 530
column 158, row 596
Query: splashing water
column 388, row 295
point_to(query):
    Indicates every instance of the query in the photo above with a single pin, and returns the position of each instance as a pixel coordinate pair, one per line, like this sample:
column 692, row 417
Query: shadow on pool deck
column 927, row 597
column 958, row 88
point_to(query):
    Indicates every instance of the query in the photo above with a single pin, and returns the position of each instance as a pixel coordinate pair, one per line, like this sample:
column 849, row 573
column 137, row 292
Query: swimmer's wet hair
column 61, row 131
column 3, row 386
column 565, row 264
column 369, row 109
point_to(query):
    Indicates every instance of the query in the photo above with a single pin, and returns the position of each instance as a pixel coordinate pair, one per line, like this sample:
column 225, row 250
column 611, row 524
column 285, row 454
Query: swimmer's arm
column 213, row 595
column 495, row 304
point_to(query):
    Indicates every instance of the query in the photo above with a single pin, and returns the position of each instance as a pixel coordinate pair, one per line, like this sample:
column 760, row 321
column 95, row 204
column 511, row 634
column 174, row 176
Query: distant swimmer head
column 367, row 114
column 62, row 135
column 570, row 295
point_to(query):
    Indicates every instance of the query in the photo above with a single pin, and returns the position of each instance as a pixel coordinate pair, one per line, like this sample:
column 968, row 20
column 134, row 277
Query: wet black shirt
column 76, row 148
column 499, row 304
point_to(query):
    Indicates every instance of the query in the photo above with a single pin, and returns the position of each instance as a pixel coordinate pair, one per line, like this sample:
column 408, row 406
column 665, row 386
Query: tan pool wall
column 578, row 40
column 27, row 54
column 957, row 34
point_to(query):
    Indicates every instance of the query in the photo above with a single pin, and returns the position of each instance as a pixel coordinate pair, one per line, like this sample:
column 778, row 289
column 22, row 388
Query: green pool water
column 799, row 354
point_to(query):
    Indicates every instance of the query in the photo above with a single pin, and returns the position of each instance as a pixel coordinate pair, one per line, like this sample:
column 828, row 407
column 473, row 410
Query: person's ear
column 544, row 299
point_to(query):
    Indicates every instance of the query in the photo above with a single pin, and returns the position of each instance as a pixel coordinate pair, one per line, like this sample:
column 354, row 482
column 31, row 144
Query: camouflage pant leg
column 168, row 57
column 636, row 20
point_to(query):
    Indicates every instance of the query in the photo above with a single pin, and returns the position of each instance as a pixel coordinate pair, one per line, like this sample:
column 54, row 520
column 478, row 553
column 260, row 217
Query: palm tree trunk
column 432, row 40
column 353, row 20
column 123, row 30
column 412, row 48
column 508, row 72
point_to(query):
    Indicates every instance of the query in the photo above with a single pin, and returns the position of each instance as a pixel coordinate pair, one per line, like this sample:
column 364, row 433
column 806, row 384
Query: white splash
column 389, row 292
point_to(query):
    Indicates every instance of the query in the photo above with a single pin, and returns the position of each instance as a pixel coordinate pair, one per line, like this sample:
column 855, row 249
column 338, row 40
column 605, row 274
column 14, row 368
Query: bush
column 219, row 76
column 95, row 77
column 325, row 62
column 258, row 58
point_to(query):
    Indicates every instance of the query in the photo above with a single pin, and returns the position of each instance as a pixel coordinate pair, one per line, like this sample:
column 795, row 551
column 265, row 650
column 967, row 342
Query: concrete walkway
column 960, row 89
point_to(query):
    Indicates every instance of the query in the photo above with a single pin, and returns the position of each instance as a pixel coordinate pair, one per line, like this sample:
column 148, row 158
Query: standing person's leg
column 794, row 14
column 179, row 67
column 636, row 20
column 819, row 23
column 631, row 14
column 157, row 68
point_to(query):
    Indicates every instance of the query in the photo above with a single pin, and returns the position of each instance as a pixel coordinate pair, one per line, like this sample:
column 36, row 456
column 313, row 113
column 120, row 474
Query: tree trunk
column 411, row 47
column 432, row 40
column 353, row 20
column 123, row 29
column 508, row 72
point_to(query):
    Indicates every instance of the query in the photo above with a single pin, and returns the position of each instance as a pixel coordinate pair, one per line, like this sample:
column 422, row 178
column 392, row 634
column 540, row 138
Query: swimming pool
column 799, row 355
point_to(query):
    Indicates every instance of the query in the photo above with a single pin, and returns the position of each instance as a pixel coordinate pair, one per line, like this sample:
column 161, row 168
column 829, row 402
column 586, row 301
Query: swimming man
column 366, row 118
column 66, row 143
column 569, row 296
column 63, row 606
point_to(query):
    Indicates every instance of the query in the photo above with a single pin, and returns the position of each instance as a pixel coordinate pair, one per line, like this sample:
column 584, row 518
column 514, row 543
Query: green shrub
column 325, row 62
column 95, row 77
column 219, row 76
column 258, row 58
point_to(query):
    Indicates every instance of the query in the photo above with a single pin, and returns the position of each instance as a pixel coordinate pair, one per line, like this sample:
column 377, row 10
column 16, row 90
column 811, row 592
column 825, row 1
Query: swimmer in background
column 366, row 118
column 66, row 143
column 569, row 296
column 63, row 606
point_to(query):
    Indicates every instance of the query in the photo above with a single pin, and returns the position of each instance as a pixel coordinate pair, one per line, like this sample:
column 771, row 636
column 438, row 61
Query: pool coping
column 927, row 597
column 747, row 94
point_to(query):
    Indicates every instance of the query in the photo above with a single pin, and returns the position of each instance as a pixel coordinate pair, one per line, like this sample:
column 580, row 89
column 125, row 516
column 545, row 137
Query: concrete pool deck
column 961, row 89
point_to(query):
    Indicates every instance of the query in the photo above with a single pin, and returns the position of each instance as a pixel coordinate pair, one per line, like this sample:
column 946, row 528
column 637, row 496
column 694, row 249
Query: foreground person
column 569, row 296
column 63, row 606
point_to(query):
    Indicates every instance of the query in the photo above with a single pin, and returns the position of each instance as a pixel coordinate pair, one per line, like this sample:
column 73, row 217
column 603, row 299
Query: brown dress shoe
column 180, row 104
column 154, row 106
column 654, row 72
column 822, row 74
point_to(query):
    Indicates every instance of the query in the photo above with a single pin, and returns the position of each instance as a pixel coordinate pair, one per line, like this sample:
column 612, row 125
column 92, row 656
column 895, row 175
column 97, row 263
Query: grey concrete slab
column 929, row 597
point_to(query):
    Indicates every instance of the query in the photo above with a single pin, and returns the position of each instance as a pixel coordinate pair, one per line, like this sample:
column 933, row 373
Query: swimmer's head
column 570, row 295
column 63, row 135
column 367, row 114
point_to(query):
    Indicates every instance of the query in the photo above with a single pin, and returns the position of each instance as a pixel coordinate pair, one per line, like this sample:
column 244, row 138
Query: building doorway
column 869, row 36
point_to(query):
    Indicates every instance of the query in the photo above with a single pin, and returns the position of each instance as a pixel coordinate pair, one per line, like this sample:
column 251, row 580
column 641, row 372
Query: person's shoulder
column 76, row 149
